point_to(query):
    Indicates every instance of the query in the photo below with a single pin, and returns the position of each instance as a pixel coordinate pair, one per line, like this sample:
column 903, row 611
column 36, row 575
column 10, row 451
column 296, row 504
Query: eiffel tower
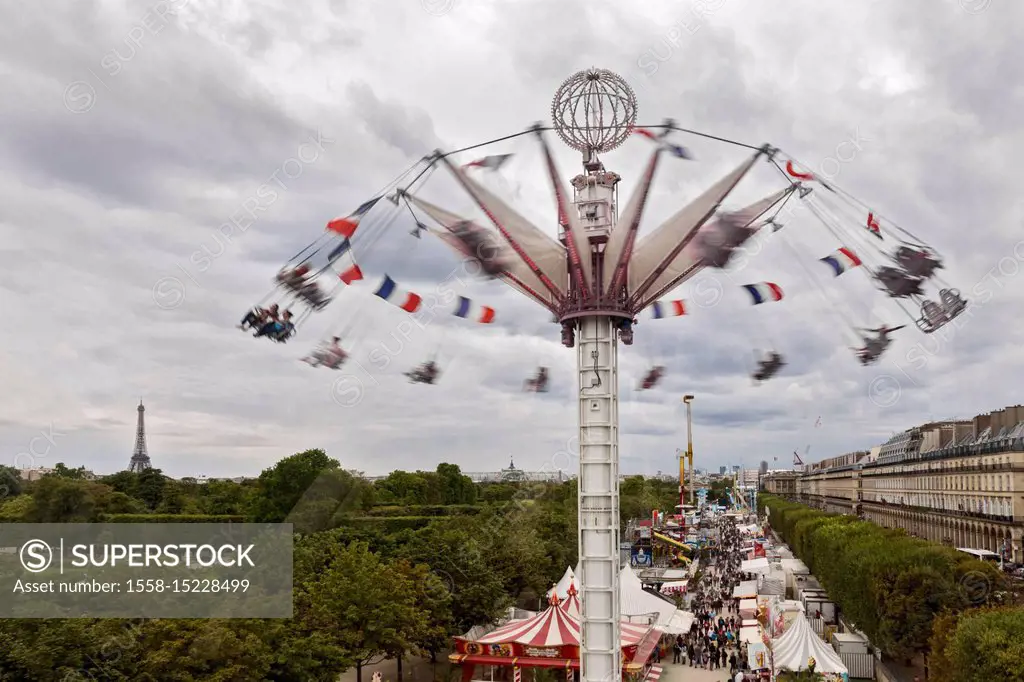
column 140, row 457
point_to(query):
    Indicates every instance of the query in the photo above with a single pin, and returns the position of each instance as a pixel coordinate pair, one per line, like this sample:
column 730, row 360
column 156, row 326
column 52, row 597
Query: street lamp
column 687, row 399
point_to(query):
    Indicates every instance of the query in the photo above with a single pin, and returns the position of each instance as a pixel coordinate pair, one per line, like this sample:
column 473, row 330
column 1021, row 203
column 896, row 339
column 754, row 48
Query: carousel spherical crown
column 594, row 111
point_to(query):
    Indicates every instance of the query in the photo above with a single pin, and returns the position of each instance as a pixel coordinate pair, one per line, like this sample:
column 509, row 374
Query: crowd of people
column 713, row 641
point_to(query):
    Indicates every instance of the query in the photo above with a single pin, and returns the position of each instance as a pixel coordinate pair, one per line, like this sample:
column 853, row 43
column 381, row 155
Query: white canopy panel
column 759, row 565
column 621, row 235
column 660, row 248
column 542, row 249
column 516, row 267
column 678, row 624
column 635, row 601
column 799, row 644
column 745, row 590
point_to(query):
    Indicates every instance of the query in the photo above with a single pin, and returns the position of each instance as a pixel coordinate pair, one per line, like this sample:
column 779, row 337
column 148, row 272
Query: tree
column 455, row 554
column 225, row 498
column 10, row 483
column 63, row 500
column 988, row 644
column 280, row 488
column 15, row 509
column 126, row 482
column 152, row 485
column 428, row 635
column 62, row 471
column 456, row 488
column 328, row 500
column 369, row 608
column 403, row 487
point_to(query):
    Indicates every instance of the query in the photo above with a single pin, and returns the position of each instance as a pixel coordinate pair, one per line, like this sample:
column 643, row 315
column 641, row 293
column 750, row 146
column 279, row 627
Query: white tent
column 561, row 588
column 635, row 601
column 799, row 644
column 795, row 566
column 758, row 565
column 773, row 583
column 745, row 590
column 678, row 624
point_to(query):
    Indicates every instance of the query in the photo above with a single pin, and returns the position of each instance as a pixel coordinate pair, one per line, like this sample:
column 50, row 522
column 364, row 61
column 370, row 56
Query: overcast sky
column 132, row 132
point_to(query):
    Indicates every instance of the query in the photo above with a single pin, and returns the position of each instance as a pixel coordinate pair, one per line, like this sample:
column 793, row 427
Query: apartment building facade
column 960, row 482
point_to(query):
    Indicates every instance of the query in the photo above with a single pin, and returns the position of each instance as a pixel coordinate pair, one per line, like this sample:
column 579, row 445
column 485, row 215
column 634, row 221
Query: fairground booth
column 551, row 639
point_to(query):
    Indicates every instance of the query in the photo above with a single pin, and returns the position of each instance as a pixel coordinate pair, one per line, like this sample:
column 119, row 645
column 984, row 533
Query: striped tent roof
column 631, row 633
column 555, row 627
column 551, row 627
column 571, row 604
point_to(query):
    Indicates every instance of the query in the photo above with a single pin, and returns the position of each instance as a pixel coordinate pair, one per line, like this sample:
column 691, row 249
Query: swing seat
column 933, row 317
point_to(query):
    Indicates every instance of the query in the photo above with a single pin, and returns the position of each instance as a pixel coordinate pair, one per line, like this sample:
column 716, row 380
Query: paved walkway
column 684, row 673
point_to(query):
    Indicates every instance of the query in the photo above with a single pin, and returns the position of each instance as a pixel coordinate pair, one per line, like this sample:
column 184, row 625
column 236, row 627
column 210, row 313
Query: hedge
column 890, row 585
column 386, row 524
column 171, row 518
column 425, row 510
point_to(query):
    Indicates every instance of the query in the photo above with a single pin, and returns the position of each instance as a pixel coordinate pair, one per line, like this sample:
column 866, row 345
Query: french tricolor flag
column 841, row 260
column 466, row 309
column 659, row 138
column 662, row 309
column 346, row 226
column 406, row 300
column 489, row 162
column 343, row 263
column 764, row 291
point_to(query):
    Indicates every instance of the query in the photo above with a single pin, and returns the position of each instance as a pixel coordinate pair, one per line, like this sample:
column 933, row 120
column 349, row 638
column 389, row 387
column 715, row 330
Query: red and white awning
column 632, row 633
column 654, row 674
column 555, row 627
column 551, row 627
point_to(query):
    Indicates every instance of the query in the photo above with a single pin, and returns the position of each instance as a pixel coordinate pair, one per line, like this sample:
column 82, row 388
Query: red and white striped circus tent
column 551, row 639
column 551, row 627
column 556, row 626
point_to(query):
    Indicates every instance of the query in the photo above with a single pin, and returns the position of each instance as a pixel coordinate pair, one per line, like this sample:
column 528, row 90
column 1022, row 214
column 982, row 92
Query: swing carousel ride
column 599, row 274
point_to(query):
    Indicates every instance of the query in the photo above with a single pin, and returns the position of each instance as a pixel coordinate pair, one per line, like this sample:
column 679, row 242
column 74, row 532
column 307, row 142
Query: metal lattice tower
column 140, row 456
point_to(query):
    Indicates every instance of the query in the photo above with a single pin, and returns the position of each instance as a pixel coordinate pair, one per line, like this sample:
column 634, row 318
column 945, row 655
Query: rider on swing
column 331, row 356
column 769, row 366
column 425, row 374
column 259, row 316
column 278, row 330
column 539, row 383
column 652, row 378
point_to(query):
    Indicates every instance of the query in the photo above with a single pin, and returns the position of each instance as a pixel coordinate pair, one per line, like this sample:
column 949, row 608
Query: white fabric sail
column 620, row 236
column 687, row 263
column 576, row 241
column 545, row 252
column 659, row 249
column 521, row 277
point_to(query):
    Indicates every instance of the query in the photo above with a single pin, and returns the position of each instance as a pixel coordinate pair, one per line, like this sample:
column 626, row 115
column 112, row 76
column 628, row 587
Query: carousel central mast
column 593, row 112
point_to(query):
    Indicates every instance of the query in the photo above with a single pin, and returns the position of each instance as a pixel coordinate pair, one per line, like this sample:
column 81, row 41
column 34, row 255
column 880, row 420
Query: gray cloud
column 151, row 185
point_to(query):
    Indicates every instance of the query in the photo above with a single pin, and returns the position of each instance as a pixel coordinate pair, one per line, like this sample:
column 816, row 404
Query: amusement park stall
column 551, row 639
